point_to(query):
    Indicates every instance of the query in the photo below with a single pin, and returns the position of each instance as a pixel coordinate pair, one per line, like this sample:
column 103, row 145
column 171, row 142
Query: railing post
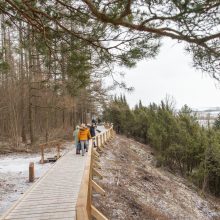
column 104, row 137
column 101, row 137
column 97, row 141
column 31, row 172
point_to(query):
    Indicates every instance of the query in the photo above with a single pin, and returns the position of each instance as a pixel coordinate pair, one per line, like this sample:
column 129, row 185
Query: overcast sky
column 171, row 73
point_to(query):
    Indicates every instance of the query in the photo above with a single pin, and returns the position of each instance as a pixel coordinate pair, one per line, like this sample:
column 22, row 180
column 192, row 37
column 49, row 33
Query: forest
column 55, row 56
column 40, row 87
column 46, row 87
column 180, row 143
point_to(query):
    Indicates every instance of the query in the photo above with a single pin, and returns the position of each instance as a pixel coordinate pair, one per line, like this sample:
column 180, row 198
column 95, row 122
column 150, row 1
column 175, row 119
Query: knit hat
column 82, row 125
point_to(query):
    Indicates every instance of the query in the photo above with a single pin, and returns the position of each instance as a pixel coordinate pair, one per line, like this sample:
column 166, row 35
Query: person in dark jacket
column 93, row 121
column 92, row 132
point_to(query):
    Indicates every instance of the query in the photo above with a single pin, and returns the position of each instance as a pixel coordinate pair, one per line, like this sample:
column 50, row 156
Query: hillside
column 137, row 189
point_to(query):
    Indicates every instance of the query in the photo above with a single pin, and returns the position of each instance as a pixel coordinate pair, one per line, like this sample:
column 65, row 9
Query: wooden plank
column 96, row 173
column 96, row 158
column 28, row 207
column 81, row 213
column 98, row 188
column 97, row 214
column 101, row 149
column 96, row 164
column 45, row 198
column 44, row 209
column 96, row 153
column 55, row 215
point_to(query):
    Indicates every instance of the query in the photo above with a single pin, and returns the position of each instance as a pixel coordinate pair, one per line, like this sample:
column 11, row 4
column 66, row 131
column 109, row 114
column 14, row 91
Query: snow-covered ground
column 14, row 174
column 206, row 123
column 100, row 128
column 19, row 164
column 207, row 117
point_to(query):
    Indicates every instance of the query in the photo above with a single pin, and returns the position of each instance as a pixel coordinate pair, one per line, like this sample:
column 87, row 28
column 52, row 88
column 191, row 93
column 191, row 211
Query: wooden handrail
column 84, row 208
column 82, row 200
column 50, row 144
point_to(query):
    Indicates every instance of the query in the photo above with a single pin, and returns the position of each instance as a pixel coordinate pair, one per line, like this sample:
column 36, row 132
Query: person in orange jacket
column 83, row 136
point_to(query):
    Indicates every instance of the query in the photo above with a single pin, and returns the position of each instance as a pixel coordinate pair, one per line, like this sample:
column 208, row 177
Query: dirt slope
column 136, row 189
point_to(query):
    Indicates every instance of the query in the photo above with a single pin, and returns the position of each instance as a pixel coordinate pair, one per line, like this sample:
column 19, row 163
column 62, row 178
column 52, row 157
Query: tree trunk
column 23, row 129
column 30, row 104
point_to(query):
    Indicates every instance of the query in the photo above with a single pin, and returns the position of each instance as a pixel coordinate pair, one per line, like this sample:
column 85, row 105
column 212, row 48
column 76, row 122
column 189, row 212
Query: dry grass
column 137, row 190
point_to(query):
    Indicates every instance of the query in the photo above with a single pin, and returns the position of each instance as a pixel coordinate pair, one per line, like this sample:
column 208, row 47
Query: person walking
column 87, row 142
column 92, row 132
column 83, row 136
column 93, row 121
column 76, row 140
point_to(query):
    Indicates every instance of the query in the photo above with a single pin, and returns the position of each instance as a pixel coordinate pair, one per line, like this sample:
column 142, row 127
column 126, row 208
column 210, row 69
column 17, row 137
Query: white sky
column 171, row 73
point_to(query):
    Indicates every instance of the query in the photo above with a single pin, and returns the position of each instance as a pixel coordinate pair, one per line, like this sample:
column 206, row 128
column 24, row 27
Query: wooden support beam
column 96, row 158
column 98, row 188
column 96, row 153
column 96, row 173
column 96, row 164
column 97, row 214
column 105, row 135
column 50, row 144
column 107, row 142
column 101, row 149
column 103, row 139
column 81, row 213
column 102, row 145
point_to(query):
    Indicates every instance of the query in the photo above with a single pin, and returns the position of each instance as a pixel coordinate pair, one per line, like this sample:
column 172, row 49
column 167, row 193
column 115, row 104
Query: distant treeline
column 180, row 142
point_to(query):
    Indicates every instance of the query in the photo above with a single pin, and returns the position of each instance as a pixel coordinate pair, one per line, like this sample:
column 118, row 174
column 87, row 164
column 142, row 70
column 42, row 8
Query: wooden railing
column 84, row 208
column 50, row 144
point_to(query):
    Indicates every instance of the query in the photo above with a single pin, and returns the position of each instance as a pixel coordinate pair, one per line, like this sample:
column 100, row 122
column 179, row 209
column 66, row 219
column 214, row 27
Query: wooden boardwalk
column 54, row 195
